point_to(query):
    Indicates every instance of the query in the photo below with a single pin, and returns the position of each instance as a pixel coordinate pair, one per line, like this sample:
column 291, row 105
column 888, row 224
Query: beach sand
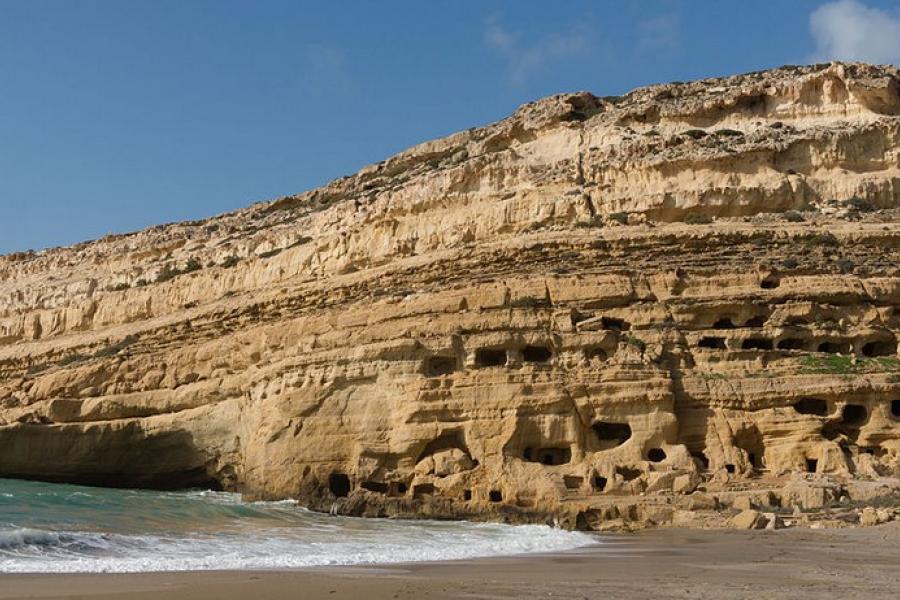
column 796, row 563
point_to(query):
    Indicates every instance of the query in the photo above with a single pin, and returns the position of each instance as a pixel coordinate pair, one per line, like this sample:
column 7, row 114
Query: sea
column 59, row 528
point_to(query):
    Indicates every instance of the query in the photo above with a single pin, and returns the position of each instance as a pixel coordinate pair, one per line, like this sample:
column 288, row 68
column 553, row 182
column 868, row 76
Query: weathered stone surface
column 749, row 519
column 689, row 289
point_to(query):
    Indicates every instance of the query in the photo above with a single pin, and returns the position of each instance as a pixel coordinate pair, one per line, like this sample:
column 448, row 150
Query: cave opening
column 879, row 348
column 423, row 489
column 615, row 324
column 656, row 455
column 715, row 343
column 550, row 457
column 339, row 484
column 374, row 486
column 724, row 323
column 812, row 465
column 812, row 406
column 833, row 348
column 495, row 496
column 467, row 495
column 756, row 344
column 536, row 354
column 600, row 483
column 729, row 468
column 769, row 283
column 490, row 357
column 791, row 344
column 895, row 408
column 628, row 473
column 572, row 482
column 854, row 414
column 611, row 434
column 757, row 321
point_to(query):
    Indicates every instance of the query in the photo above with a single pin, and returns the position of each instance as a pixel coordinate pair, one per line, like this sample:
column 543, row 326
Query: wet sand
column 801, row 563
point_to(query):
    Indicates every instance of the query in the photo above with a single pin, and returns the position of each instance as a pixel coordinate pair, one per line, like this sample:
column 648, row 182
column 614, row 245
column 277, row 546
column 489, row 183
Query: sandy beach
column 798, row 563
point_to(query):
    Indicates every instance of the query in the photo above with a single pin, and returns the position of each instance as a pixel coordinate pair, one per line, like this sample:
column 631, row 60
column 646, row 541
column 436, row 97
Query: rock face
column 597, row 310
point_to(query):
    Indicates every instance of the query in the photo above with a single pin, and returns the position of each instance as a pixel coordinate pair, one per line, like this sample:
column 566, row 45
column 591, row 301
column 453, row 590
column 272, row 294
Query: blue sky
column 116, row 115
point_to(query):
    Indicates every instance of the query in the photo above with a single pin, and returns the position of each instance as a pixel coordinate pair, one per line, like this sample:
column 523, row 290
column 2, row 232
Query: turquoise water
column 66, row 528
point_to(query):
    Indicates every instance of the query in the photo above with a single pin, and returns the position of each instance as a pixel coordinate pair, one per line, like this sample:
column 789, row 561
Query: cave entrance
column 656, row 455
column 792, row 344
column 724, row 323
column 855, row 414
column 895, row 408
column 756, row 344
column 879, row 348
column 812, row 406
column 757, row 321
column 812, row 465
column 550, row 457
column 834, row 348
column 536, row 354
column 715, row 343
column 750, row 440
column 490, row 357
column 339, row 484
column 611, row 434
column 614, row 324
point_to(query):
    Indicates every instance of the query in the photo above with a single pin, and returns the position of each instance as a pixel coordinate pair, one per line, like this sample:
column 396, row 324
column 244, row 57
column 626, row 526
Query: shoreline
column 670, row 563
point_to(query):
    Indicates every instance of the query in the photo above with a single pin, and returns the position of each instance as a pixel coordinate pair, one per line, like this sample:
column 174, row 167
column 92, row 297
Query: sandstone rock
column 749, row 519
column 546, row 316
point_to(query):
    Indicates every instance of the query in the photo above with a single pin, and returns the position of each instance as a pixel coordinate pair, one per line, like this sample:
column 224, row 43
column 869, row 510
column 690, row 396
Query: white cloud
column 525, row 59
column 660, row 33
column 850, row 30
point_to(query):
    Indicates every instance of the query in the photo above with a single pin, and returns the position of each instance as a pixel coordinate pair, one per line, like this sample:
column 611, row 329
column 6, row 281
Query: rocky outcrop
column 600, row 310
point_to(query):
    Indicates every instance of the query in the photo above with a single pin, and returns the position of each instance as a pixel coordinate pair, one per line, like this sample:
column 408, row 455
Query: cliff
column 600, row 310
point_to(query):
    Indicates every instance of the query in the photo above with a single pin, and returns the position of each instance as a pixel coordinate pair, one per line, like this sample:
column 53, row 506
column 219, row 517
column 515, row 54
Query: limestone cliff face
column 692, row 286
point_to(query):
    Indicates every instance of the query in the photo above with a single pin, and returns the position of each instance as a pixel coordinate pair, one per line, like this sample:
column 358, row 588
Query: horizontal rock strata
column 599, row 310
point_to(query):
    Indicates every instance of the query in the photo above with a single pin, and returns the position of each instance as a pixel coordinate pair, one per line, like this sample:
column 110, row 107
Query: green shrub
column 619, row 217
column 729, row 133
column 793, row 216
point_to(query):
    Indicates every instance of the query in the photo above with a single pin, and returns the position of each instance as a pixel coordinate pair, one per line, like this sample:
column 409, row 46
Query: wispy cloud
column 524, row 58
column 325, row 70
column 850, row 30
column 661, row 33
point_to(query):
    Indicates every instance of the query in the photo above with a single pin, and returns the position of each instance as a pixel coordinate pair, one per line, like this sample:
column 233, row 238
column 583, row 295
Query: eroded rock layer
column 597, row 310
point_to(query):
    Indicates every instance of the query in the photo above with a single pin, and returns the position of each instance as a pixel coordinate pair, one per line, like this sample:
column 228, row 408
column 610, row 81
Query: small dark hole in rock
column 495, row 496
column 811, row 465
column 339, row 484
column 656, row 455
column 724, row 323
column 791, row 344
column 716, row 343
column 855, row 414
column 467, row 495
column 615, row 324
column 599, row 483
column 756, row 344
column 729, row 468
column 811, row 406
column 536, row 354
column 488, row 357
column 757, row 321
